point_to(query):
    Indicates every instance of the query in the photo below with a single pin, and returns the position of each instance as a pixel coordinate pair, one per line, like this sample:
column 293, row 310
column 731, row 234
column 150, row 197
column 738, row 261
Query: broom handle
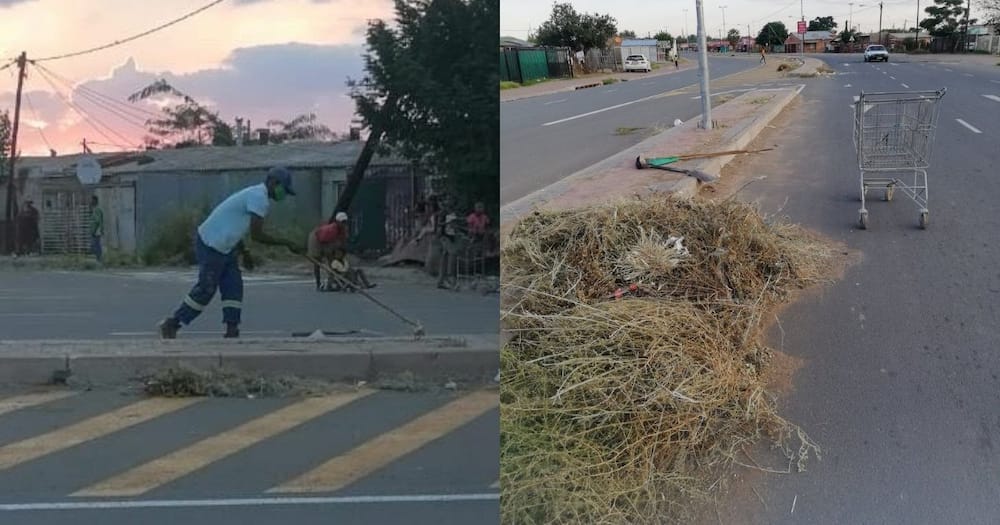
column 720, row 153
column 342, row 281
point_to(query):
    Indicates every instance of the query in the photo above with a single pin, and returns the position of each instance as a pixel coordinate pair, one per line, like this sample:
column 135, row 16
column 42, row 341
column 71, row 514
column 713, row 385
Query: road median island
column 633, row 311
column 469, row 358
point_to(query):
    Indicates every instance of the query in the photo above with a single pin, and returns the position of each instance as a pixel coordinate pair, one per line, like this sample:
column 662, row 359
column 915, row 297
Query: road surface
column 900, row 383
column 129, row 304
column 544, row 139
column 353, row 457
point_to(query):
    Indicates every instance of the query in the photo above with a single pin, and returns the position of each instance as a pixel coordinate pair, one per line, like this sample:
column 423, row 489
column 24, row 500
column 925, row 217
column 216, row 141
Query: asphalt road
column 538, row 146
column 900, row 383
column 385, row 457
column 129, row 304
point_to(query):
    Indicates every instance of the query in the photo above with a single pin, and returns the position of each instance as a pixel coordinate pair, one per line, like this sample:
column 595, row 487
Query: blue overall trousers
column 215, row 271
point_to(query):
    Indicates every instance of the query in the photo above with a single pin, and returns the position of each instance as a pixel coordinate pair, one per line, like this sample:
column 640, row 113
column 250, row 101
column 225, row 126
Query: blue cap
column 283, row 177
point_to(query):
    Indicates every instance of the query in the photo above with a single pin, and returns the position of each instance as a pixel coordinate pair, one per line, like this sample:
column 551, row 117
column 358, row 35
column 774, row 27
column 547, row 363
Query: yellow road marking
column 173, row 466
column 376, row 453
column 89, row 429
column 12, row 404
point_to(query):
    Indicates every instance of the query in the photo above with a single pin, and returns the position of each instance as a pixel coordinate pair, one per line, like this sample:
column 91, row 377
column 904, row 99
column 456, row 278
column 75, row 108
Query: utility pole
column 916, row 32
column 11, row 202
column 686, row 34
column 725, row 30
column 749, row 39
column 968, row 9
column 880, row 23
column 706, row 100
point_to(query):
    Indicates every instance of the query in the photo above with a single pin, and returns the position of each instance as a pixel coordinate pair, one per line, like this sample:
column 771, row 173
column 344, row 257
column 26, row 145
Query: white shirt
column 229, row 222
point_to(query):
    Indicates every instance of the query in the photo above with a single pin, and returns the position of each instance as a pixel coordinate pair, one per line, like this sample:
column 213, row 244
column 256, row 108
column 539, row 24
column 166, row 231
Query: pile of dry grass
column 617, row 410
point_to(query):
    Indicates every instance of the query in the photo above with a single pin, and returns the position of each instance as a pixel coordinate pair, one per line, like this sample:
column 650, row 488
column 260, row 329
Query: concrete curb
column 808, row 69
column 473, row 358
column 585, row 86
column 736, row 137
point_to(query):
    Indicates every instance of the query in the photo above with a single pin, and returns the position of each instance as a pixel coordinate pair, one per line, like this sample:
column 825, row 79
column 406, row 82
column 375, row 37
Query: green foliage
column 435, row 107
column 772, row 34
column 173, row 241
column 627, row 33
column 5, row 130
column 945, row 18
column 222, row 134
column 580, row 32
column 847, row 35
column 302, row 127
column 733, row 37
column 822, row 23
column 664, row 36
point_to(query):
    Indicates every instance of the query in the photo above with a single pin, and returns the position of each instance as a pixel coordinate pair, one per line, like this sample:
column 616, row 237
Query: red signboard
column 802, row 27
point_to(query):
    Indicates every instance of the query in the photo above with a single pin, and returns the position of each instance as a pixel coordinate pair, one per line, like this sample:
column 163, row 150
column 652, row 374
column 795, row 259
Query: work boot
column 232, row 331
column 169, row 327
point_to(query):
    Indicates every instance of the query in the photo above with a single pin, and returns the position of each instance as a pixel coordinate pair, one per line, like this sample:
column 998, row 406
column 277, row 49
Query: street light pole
column 686, row 34
column 725, row 30
column 706, row 100
column 916, row 30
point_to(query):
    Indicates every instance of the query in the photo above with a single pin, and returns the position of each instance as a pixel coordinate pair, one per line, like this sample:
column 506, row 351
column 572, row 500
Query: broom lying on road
column 661, row 162
column 418, row 329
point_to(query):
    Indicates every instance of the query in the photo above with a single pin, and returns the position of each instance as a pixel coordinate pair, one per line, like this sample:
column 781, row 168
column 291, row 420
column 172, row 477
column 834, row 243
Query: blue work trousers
column 215, row 271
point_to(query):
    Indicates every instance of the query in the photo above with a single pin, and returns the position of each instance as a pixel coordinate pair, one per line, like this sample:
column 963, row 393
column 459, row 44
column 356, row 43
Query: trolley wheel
column 863, row 220
column 923, row 220
column 889, row 191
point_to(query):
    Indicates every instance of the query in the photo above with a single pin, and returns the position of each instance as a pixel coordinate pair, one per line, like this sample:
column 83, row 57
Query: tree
column 302, row 127
column 946, row 17
column 822, row 23
column 185, row 123
column 733, row 37
column 772, row 34
column 665, row 36
column 847, row 35
column 428, row 107
column 579, row 32
column 992, row 10
column 628, row 33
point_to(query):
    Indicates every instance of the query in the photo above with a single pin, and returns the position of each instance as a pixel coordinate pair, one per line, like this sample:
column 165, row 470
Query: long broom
column 418, row 329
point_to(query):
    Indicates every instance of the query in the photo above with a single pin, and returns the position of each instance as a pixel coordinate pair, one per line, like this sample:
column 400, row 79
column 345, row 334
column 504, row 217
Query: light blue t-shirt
column 229, row 222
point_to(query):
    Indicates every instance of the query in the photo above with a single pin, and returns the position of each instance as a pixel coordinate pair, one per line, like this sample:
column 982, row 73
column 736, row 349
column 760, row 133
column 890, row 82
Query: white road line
column 905, row 86
column 892, row 77
column 602, row 110
column 995, row 81
column 948, row 70
column 246, row 502
column 556, row 101
column 994, row 98
column 847, row 85
column 611, row 90
column 969, row 74
column 856, row 98
column 893, row 64
column 885, row 72
column 966, row 124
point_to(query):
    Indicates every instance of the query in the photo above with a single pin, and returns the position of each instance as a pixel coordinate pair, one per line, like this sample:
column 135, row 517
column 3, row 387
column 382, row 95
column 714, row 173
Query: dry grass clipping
column 617, row 411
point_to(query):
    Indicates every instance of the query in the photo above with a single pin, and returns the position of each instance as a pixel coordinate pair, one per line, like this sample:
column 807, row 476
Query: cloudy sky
column 256, row 59
column 642, row 16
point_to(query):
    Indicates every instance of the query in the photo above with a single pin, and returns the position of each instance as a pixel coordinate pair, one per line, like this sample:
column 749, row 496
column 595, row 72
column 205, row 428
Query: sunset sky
column 256, row 59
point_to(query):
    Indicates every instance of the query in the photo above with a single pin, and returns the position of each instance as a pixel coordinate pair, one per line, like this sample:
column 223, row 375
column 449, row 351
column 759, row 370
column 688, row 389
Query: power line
column 86, row 116
column 80, row 87
column 31, row 106
column 137, row 121
column 134, row 37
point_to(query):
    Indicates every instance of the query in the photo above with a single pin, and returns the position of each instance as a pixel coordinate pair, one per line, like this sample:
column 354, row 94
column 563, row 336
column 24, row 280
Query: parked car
column 876, row 52
column 637, row 63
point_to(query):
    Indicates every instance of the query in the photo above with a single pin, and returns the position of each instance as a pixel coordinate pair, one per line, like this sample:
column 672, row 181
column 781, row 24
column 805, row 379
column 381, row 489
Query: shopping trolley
column 893, row 133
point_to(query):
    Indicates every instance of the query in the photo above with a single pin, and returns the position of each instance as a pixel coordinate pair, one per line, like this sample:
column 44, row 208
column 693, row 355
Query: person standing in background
column 96, row 229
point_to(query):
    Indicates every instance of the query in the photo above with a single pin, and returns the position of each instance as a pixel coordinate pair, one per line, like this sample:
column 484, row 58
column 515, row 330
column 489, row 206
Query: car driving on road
column 637, row 63
column 876, row 52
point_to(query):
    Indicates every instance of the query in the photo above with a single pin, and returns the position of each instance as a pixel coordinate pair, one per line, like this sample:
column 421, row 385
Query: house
column 645, row 47
column 815, row 42
column 143, row 191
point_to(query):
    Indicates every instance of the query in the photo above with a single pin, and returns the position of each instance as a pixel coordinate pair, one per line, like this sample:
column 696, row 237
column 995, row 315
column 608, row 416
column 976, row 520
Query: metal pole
column 11, row 203
column 706, row 100
column 802, row 14
column 725, row 30
column 916, row 31
column 880, row 23
column 968, row 9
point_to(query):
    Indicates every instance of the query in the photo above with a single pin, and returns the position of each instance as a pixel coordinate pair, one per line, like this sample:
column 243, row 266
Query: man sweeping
column 219, row 242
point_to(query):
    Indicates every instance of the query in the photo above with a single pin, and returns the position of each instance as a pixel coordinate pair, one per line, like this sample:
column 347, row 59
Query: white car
column 637, row 63
column 876, row 52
